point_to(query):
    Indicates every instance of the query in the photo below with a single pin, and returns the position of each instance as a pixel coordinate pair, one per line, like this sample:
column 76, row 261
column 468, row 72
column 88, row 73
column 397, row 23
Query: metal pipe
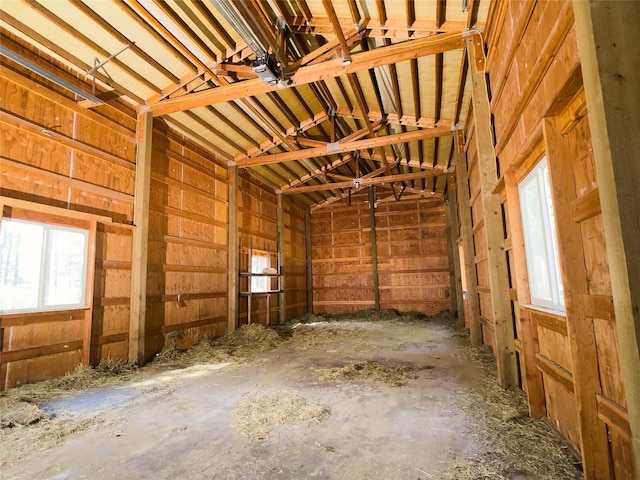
column 28, row 64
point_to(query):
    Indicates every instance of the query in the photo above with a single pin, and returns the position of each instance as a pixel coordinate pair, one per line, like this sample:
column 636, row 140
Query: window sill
column 551, row 311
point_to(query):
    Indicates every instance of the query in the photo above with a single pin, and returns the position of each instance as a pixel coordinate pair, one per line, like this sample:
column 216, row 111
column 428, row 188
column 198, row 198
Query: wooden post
column 451, row 222
column 608, row 40
column 493, row 225
column 87, row 325
column 282, row 300
column 138, row 310
column 586, row 378
column 528, row 329
column 309, row 257
column 466, row 234
column 233, row 254
column 374, row 245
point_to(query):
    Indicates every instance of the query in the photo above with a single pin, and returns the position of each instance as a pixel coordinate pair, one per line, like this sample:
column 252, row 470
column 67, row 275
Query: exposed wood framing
column 139, row 265
column 374, row 245
column 607, row 40
column 593, row 435
column 453, row 232
column 364, row 182
column 282, row 297
column 493, row 225
column 309, row 255
column 314, row 73
column 528, row 328
column 233, row 287
column 466, row 233
column 345, row 147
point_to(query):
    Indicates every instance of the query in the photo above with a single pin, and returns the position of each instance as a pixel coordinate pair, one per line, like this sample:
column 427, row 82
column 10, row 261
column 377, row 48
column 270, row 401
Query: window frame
column 552, row 256
column 259, row 284
column 56, row 218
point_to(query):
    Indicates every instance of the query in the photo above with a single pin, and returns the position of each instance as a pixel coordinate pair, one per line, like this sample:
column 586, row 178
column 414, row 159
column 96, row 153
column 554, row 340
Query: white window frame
column 45, row 266
column 538, row 177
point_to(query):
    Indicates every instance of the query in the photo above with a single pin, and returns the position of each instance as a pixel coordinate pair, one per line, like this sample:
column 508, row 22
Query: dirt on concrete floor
column 373, row 395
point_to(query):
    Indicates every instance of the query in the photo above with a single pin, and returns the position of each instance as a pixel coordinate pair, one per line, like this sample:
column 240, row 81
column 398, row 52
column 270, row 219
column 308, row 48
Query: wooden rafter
column 365, row 182
column 394, row 119
column 375, row 29
column 345, row 147
column 313, row 73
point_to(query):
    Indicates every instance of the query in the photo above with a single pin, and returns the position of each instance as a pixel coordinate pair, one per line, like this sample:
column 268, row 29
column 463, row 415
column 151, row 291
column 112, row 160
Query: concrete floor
column 177, row 423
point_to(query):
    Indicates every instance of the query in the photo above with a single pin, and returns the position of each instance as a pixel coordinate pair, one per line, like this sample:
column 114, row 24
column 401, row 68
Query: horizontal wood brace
column 549, row 321
column 195, row 165
column 193, row 243
column 483, row 289
column 344, row 302
column 416, row 271
column 35, row 352
column 66, row 181
column 185, row 268
column 614, row 415
column 188, row 215
column 560, row 374
column 435, row 286
column 22, row 319
column 195, row 324
column 476, row 228
column 110, row 301
column 52, row 136
column 113, row 338
column 182, row 185
column 586, row 206
column 519, row 346
column 112, row 265
column 48, row 94
column 599, row 306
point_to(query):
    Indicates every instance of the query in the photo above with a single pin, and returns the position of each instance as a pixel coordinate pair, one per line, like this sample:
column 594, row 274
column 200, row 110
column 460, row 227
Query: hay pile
column 82, row 378
column 14, row 412
column 240, row 346
column 369, row 371
column 308, row 338
column 257, row 414
column 512, row 444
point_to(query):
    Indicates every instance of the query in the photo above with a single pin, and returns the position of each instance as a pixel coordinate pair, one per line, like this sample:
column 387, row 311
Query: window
column 42, row 266
column 258, row 264
column 538, row 221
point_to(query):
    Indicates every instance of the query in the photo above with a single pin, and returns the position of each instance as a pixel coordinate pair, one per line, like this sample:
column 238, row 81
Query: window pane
column 20, row 264
column 534, row 233
column 258, row 264
column 555, row 257
column 65, row 284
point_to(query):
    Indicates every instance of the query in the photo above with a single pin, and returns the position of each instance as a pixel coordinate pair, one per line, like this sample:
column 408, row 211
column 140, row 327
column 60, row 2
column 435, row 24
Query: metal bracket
column 97, row 64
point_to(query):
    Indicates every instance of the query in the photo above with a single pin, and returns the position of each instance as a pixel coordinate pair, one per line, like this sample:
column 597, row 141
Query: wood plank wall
column 257, row 227
column 413, row 263
column 413, row 267
column 295, row 255
column 56, row 153
column 570, row 371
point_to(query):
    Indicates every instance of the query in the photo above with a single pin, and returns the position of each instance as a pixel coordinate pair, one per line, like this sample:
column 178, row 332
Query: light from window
column 258, row 264
column 538, row 221
column 42, row 266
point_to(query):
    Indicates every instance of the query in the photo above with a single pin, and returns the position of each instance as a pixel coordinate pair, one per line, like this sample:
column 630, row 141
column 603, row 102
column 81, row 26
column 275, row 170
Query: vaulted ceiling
column 349, row 89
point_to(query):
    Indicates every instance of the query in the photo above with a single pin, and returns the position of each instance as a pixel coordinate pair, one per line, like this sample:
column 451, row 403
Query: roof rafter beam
column 345, row 147
column 365, row 181
column 314, row 73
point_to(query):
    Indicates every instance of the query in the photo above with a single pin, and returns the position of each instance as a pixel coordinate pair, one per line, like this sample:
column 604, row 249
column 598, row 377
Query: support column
column 586, row 379
column 309, row 257
column 282, row 297
column 608, row 41
column 139, row 264
column 374, row 245
column 528, row 328
column 451, row 222
column 466, row 228
column 233, row 254
column 493, row 225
